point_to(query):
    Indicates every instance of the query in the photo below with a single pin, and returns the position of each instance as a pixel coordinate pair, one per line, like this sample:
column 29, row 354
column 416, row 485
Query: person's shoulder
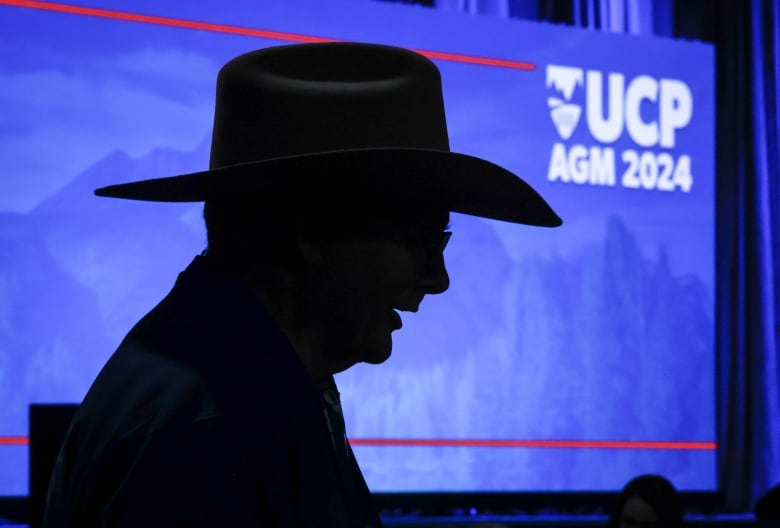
column 141, row 389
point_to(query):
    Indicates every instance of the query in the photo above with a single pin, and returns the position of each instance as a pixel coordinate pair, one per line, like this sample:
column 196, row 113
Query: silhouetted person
column 647, row 501
column 326, row 203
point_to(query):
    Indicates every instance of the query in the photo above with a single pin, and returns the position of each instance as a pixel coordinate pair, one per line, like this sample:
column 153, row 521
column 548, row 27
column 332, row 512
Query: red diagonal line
column 576, row 444
column 160, row 21
column 14, row 440
column 245, row 31
column 471, row 59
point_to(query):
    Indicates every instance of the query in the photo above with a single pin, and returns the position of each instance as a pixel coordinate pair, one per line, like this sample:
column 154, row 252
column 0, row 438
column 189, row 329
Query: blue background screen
column 568, row 359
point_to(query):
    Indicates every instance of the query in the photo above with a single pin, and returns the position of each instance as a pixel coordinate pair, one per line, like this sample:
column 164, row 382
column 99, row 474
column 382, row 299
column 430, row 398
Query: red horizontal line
column 576, row 444
column 239, row 30
column 448, row 442
column 14, row 440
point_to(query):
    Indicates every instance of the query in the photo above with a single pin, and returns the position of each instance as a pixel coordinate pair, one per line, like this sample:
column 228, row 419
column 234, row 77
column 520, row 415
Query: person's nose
column 435, row 278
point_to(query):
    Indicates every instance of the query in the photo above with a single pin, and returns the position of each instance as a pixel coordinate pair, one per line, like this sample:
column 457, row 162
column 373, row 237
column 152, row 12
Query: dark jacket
column 205, row 416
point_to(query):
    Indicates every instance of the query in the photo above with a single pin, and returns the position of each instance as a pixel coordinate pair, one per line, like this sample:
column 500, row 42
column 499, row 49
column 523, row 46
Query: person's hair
column 656, row 491
column 244, row 230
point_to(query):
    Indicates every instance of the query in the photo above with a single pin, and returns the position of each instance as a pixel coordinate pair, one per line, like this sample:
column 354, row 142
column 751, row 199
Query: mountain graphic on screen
column 128, row 252
column 76, row 273
column 50, row 327
column 606, row 344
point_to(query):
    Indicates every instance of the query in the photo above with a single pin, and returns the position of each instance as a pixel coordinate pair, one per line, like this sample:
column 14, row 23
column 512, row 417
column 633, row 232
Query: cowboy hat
column 341, row 119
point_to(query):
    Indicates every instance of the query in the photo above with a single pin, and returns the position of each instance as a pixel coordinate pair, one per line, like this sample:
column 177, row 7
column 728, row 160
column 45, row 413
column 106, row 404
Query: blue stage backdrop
column 564, row 359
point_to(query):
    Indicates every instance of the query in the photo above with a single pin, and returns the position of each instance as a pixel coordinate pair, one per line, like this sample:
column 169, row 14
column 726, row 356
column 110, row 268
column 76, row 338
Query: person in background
column 647, row 501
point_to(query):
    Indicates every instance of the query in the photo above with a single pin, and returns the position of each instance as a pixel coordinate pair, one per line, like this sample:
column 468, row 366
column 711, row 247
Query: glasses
column 438, row 243
column 429, row 241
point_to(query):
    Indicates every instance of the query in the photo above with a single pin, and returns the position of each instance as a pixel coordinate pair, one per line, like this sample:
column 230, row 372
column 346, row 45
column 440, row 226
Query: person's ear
column 306, row 247
column 309, row 252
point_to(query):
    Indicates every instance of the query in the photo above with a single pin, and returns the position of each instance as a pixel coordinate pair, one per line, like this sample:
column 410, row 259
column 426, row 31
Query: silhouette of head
column 647, row 501
column 348, row 270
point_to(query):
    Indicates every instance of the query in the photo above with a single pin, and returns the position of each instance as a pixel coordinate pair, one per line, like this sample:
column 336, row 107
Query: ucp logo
column 668, row 105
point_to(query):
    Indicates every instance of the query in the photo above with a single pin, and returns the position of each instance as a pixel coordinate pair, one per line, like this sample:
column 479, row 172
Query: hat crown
column 314, row 98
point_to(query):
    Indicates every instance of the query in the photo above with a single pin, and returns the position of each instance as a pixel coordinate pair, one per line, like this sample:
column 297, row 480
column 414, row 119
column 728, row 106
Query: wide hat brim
column 393, row 176
column 347, row 122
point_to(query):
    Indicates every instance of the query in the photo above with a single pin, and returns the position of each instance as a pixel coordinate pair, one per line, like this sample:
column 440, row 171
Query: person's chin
column 379, row 352
column 373, row 354
column 377, row 359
